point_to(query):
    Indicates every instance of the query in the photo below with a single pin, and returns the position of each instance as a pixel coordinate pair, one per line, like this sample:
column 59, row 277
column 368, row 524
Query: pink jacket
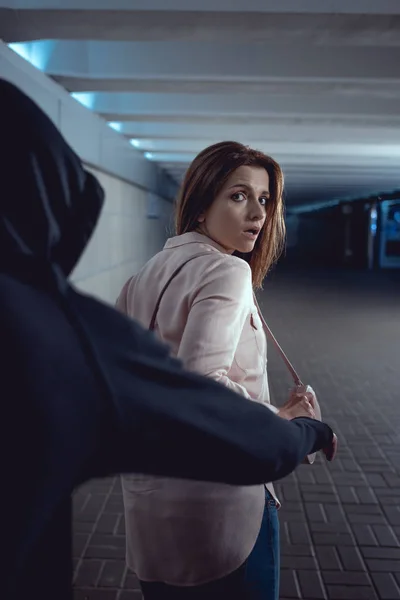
column 180, row 532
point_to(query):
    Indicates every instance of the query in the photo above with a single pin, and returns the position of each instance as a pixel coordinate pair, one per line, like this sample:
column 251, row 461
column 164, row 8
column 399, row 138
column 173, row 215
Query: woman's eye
column 238, row 197
column 263, row 201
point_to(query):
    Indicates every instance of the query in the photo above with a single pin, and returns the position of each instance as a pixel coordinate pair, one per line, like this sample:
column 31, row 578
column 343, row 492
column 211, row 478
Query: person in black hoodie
column 86, row 392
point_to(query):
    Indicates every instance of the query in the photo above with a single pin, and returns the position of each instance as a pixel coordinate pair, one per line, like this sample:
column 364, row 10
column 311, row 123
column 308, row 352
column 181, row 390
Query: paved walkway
column 340, row 523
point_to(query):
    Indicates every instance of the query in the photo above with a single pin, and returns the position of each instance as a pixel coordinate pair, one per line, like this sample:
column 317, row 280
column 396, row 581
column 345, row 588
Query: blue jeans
column 256, row 579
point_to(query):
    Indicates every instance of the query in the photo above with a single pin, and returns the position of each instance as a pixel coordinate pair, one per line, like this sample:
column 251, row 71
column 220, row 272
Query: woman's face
column 235, row 218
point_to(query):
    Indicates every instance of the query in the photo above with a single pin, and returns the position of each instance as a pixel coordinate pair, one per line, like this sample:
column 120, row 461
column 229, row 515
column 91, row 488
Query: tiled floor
column 340, row 523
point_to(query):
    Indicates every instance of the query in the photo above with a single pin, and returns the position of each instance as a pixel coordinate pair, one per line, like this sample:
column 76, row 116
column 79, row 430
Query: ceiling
column 314, row 83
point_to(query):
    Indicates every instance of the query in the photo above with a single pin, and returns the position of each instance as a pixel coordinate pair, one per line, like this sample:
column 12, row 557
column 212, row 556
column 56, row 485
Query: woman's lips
column 251, row 235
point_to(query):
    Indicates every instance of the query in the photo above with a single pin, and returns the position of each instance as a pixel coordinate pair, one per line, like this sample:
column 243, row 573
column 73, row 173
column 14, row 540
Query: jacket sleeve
column 217, row 315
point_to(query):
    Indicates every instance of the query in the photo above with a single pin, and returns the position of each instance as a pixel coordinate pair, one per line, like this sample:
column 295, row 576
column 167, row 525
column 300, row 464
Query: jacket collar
column 192, row 237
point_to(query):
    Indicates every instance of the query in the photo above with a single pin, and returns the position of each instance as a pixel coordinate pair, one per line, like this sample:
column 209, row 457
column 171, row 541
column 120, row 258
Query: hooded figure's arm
column 180, row 425
column 175, row 423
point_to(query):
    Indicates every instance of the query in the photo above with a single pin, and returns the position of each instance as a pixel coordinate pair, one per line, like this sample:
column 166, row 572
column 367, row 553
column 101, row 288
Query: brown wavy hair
column 204, row 180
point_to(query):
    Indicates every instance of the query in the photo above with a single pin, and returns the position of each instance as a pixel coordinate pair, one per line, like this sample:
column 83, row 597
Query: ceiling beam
column 221, row 86
column 354, row 23
column 268, row 131
column 218, row 62
column 288, row 159
column 135, row 105
column 112, row 25
column 327, row 148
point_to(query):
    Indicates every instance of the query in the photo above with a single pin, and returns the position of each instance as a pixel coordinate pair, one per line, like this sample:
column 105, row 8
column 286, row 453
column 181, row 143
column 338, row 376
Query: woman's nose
column 256, row 211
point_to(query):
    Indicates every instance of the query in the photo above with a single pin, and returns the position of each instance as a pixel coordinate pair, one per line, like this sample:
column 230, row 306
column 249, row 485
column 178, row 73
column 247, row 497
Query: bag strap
column 267, row 330
column 174, row 274
column 289, row 366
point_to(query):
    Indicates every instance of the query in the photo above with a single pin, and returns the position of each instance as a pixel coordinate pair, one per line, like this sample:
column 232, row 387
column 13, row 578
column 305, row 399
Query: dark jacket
column 86, row 392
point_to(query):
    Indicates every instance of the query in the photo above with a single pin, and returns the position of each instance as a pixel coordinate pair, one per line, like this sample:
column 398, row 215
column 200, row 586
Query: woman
column 195, row 539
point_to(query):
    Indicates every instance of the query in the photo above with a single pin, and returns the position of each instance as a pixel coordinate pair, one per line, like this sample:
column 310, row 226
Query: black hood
column 49, row 204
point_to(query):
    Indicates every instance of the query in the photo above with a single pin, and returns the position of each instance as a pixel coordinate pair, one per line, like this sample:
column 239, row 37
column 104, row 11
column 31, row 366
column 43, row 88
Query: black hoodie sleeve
column 170, row 422
column 215, row 436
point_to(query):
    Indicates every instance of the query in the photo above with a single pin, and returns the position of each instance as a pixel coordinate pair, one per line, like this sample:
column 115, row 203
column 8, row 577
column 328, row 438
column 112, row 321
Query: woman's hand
column 298, row 405
column 305, row 404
